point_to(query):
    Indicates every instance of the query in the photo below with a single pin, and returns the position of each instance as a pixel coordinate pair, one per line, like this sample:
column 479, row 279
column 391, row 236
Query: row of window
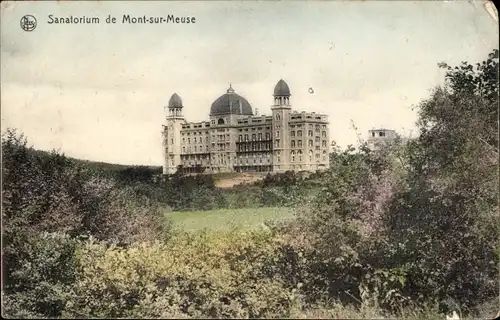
column 194, row 133
column 244, row 138
column 222, row 147
column 253, row 129
column 292, row 133
column 254, row 147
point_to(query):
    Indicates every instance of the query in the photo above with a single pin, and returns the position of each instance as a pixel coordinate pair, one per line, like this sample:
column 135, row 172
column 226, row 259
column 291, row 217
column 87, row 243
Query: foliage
column 195, row 275
column 47, row 192
column 417, row 223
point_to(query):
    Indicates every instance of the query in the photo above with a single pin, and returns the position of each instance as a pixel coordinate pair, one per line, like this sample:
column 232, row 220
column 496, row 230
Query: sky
column 98, row 91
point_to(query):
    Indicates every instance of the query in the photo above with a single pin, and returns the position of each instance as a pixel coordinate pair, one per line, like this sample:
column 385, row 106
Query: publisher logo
column 28, row 22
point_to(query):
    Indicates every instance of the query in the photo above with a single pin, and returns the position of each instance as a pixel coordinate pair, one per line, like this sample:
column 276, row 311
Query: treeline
column 181, row 192
column 410, row 231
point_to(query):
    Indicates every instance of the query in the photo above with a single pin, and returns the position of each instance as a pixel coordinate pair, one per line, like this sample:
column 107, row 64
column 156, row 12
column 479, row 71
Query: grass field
column 225, row 219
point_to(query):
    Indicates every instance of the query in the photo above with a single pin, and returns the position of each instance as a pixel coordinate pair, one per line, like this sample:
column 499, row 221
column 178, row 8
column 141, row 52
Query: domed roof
column 175, row 101
column 281, row 89
column 231, row 103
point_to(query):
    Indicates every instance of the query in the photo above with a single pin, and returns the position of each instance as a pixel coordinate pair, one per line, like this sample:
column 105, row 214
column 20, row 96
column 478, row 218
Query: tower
column 172, row 135
column 281, row 115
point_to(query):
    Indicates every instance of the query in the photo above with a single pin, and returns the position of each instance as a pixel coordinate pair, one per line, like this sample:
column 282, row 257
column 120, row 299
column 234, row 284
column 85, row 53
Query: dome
column 175, row 101
column 231, row 103
column 281, row 89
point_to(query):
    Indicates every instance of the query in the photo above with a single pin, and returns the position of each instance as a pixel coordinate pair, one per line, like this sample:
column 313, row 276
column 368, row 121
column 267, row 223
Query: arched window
column 324, row 155
column 278, row 117
column 220, row 121
column 310, row 143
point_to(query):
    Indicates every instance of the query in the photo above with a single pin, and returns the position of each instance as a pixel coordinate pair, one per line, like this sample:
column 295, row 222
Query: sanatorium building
column 237, row 140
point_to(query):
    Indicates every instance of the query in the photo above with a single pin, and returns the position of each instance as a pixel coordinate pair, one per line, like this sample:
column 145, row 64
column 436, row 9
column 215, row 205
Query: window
column 293, row 134
column 183, row 149
column 300, row 155
column 299, row 133
column 246, row 137
column 194, row 139
column 293, row 156
column 323, row 134
column 293, row 143
column 373, row 134
column 310, row 133
column 317, row 139
column 277, row 143
column 253, row 137
column 268, row 136
column 220, row 121
column 323, row 143
column 260, row 136
column 299, row 143
column 381, row 134
column 189, row 140
column 278, row 116
column 310, row 155
column 171, row 141
column 324, row 155
column 310, row 143
column 195, row 149
column 240, row 138
column 277, row 134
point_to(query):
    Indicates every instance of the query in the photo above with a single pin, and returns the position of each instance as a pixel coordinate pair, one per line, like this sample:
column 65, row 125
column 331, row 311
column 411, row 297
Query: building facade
column 237, row 140
column 378, row 138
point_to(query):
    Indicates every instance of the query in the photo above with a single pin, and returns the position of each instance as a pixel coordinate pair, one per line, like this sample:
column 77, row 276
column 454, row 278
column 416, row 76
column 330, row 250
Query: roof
column 175, row 101
column 282, row 89
column 231, row 103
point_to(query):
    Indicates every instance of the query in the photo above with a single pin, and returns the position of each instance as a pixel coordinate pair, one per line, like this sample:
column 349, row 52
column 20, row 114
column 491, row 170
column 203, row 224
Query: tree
column 446, row 223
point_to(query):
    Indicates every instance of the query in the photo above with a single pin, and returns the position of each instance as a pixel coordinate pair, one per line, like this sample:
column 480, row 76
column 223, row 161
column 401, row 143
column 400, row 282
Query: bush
column 195, row 275
column 45, row 270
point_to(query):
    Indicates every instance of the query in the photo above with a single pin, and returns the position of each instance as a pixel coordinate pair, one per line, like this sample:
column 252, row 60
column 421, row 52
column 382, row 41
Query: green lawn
column 225, row 219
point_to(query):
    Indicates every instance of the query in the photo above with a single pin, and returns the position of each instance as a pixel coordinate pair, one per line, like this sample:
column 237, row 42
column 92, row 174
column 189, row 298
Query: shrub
column 218, row 275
